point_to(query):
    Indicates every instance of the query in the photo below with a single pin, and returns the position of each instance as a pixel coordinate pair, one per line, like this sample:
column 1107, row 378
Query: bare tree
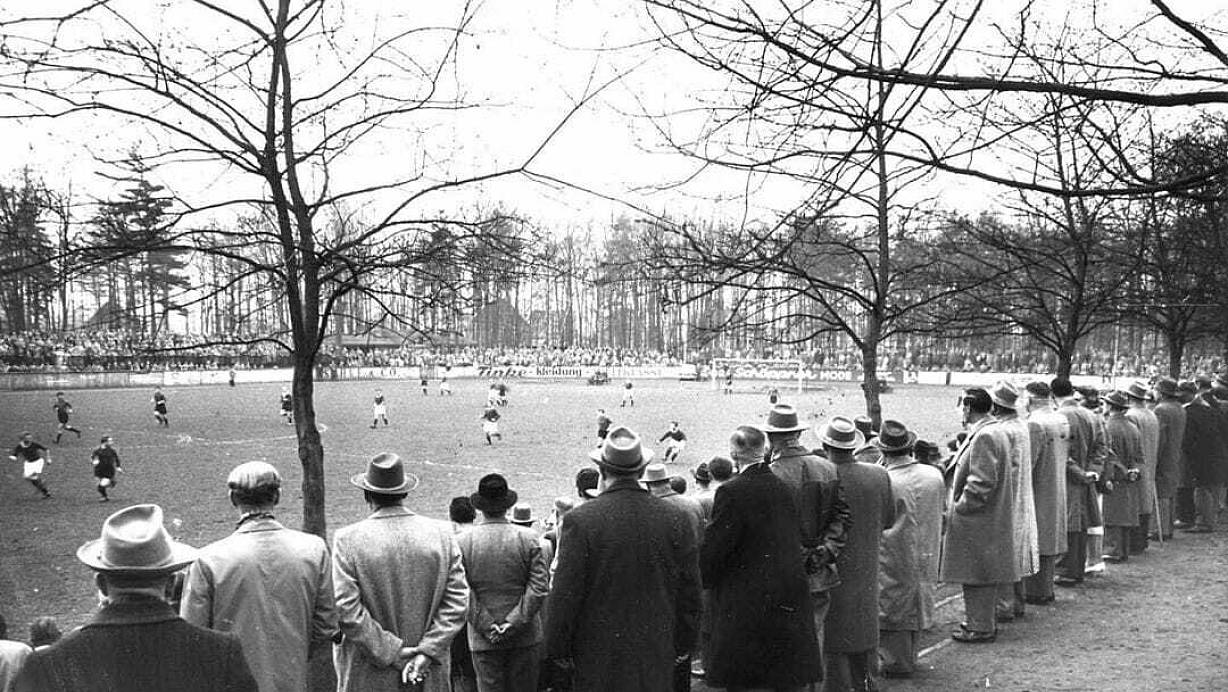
column 278, row 106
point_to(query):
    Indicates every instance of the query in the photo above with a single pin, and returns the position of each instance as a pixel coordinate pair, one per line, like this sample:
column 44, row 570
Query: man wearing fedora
column 977, row 549
column 1121, row 507
column 1170, row 414
column 1012, row 432
column 1205, row 451
column 851, row 635
column 401, row 591
column 1087, row 454
column 1149, row 430
column 763, row 634
column 1049, row 440
column 657, row 479
column 270, row 585
column 823, row 514
column 136, row 642
column 908, row 554
column 624, row 606
column 507, row 584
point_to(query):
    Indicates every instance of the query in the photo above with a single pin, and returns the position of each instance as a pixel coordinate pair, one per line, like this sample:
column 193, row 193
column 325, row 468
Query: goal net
column 737, row 372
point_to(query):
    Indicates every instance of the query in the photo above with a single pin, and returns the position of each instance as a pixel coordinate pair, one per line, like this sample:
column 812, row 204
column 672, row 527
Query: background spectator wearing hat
column 823, row 514
column 1017, row 442
column 1170, row 415
column 1121, row 507
column 44, row 631
column 659, row 483
column 1049, row 440
column 1206, row 454
column 852, row 623
column 396, row 623
column 507, row 583
column 1149, row 429
column 624, row 607
column 1088, row 453
column 908, row 554
column 269, row 585
column 136, row 637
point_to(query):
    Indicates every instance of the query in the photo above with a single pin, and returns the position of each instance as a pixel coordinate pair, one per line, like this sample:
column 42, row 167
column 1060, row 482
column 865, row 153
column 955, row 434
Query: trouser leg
column 522, row 669
column 489, row 668
column 979, row 600
column 1117, row 542
column 1185, row 505
column 897, row 650
column 1038, row 588
column 1206, row 505
column 1138, row 534
column 1072, row 564
column 838, row 673
column 1010, row 599
column 1165, row 520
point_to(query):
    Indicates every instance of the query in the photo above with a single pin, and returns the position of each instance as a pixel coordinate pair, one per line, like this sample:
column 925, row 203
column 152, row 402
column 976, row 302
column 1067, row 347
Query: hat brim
column 360, row 481
column 909, row 443
column 523, row 522
column 181, row 556
column 646, row 456
column 856, row 442
column 483, row 504
column 774, row 429
column 591, row 493
column 1014, row 405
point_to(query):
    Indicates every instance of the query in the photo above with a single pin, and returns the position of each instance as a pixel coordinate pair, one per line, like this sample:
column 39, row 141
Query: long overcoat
column 271, row 586
column 1171, row 417
column 1121, row 507
column 1049, row 439
column 1023, row 505
column 625, row 597
column 852, row 618
column 1205, row 446
column 1149, row 431
column 400, row 582
column 1088, row 452
column 908, row 554
column 137, row 644
column 763, row 633
column 980, row 528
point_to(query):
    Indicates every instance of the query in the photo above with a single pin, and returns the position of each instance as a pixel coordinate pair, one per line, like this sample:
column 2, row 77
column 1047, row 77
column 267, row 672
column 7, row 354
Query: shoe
column 104, row 499
column 1178, row 524
column 46, row 496
column 970, row 637
column 1067, row 581
column 1113, row 559
column 697, row 670
column 1041, row 601
column 1002, row 616
column 895, row 674
column 78, row 434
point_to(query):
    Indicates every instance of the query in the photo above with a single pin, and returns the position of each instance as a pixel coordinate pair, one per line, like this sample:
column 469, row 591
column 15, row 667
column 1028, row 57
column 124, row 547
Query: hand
column 681, row 658
column 414, row 671
column 498, row 632
column 1091, row 476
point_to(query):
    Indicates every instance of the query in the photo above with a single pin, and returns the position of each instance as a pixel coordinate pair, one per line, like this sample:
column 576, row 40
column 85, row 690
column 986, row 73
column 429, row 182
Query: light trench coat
column 1049, row 434
column 271, row 586
column 908, row 552
column 976, row 548
column 1149, row 430
column 400, row 582
column 1023, row 507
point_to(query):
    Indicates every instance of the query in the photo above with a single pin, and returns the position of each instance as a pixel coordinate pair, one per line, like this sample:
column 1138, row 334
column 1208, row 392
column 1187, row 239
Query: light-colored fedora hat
column 841, row 433
column 655, row 473
column 622, row 451
column 385, row 475
column 1139, row 390
column 1005, row 395
column 783, row 418
column 894, row 436
column 134, row 541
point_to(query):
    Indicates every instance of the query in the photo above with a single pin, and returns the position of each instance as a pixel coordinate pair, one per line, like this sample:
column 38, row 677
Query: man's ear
column 100, row 581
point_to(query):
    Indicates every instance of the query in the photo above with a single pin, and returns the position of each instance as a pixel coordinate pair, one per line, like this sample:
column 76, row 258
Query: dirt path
column 1157, row 622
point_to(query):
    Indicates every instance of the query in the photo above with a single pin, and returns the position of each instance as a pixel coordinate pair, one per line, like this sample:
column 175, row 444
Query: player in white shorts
column 34, row 458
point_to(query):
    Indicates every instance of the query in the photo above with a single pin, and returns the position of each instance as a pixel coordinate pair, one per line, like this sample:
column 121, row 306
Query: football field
column 548, row 427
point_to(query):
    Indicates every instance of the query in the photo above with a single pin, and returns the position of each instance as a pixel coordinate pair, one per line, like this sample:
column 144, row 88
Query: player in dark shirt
column 676, row 443
column 159, row 404
column 106, row 463
column 379, row 410
column 33, row 457
column 63, row 410
column 490, row 425
column 287, row 406
column 603, row 424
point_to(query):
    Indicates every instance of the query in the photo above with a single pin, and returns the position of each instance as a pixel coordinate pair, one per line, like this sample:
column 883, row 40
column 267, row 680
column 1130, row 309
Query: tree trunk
column 1176, row 351
column 869, row 379
column 310, row 449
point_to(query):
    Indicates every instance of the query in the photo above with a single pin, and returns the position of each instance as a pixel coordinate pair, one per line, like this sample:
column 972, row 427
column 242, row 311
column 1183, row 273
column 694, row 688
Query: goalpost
column 758, row 369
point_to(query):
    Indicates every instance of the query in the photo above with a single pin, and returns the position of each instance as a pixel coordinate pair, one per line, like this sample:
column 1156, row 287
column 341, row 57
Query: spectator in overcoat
column 975, row 550
column 1121, row 505
column 1049, row 442
column 908, row 555
column 762, row 630
column 852, row 623
column 1088, row 452
column 1171, row 416
column 136, row 642
column 624, row 605
column 397, row 622
column 270, row 585
column 1205, row 448
column 1149, row 430
column 1018, row 446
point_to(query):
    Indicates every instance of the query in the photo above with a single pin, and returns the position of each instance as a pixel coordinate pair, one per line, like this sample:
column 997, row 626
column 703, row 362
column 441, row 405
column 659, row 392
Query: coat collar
column 622, row 485
column 793, row 450
column 260, row 524
column 756, row 468
column 483, row 519
column 133, row 610
column 390, row 512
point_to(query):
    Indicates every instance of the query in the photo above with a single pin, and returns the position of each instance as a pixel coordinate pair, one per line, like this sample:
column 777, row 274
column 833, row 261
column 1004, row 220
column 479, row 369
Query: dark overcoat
column 1122, row 506
column 763, row 631
column 1088, row 451
column 852, row 619
column 978, row 547
column 1205, row 446
column 625, row 596
column 1171, row 416
column 139, row 645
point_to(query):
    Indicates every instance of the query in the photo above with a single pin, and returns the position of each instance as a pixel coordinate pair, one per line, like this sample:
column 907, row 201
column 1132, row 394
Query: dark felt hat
column 385, row 475
column 783, row 418
column 894, row 436
column 622, row 451
column 493, row 495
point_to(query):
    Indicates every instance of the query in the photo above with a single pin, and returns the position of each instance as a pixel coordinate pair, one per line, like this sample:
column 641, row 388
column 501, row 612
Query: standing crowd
column 790, row 568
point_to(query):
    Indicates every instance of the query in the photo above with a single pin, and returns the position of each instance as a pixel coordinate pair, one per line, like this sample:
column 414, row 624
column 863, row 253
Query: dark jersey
column 379, row 400
column 490, row 415
column 603, row 424
column 32, row 453
column 106, row 461
column 287, row 402
column 676, row 435
column 159, row 402
column 62, row 409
